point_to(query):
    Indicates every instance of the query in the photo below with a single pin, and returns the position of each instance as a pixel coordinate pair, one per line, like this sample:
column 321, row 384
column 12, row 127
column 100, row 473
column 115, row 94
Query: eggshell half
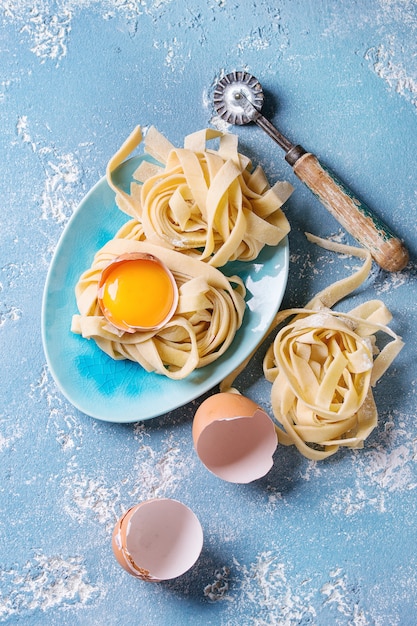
column 234, row 438
column 158, row 539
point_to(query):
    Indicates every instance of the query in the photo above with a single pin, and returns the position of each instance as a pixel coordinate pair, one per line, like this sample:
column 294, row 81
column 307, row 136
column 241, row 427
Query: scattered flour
column 350, row 501
column 44, row 583
column 391, row 470
column 390, row 60
column 275, row 499
column 5, row 86
column 10, row 432
column 207, row 102
column 264, row 585
column 217, row 122
column 158, row 473
column 87, row 498
column 91, row 497
column 341, row 595
column 48, row 31
column 4, row 442
column 257, row 39
column 131, row 9
column 9, row 313
column 385, row 468
column 280, row 597
column 49, row 36
column 393, row 280
column 23, row 132
column 385, row 64
column 67, row 428
column 47, row 24
column 62, row 176
column 176, row 58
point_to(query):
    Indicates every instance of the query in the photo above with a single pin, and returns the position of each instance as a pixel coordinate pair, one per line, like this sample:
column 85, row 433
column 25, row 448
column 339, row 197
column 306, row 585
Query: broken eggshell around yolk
column 158, row 539
column 234, row 438
column 137, row 292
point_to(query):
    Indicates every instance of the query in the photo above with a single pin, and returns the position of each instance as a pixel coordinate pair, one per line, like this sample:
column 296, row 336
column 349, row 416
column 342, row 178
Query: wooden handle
column 387, row 250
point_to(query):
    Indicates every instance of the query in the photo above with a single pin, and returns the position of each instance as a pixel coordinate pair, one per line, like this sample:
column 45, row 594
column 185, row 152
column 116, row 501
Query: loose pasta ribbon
column 209, row 204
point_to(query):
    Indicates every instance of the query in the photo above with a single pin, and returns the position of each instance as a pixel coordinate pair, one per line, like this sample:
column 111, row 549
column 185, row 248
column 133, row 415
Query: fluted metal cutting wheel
column 230, row 94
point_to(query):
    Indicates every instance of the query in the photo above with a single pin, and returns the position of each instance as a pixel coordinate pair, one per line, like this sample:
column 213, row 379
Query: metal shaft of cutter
column 264, row 123
column 292, row 152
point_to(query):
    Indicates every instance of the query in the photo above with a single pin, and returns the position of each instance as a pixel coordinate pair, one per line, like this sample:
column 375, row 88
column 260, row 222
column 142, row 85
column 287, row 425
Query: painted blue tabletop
column 329, row 542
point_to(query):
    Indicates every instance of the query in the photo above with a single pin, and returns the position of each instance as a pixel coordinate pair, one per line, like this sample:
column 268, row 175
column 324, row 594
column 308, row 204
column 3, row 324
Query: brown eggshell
column 119, row 545
column 234, row 438
column 158, row 539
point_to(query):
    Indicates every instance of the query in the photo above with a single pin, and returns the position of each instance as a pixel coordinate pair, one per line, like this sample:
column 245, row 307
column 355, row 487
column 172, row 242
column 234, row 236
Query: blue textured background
column 328, row 543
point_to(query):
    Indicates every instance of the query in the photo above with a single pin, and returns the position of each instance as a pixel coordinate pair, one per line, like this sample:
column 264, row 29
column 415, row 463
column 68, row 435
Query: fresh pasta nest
column 209, row 312
column 209, row 204
column 323, row 364
column 322, row 368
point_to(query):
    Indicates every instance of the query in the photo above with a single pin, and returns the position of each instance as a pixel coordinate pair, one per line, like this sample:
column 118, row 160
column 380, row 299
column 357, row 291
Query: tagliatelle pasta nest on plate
column 209, row 204
column 323, row 365
column 209, row 312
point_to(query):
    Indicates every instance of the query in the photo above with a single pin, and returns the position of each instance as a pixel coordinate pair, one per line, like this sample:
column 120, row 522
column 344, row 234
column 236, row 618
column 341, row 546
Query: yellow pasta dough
column 209, row 312
column 323, row 364
column 208, row 204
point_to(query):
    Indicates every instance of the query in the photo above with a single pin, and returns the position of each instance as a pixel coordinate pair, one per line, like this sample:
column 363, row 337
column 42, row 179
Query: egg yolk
column 138, row 292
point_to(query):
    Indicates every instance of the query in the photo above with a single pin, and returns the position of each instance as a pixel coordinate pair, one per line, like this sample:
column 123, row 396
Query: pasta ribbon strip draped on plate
column 322, row 365
column 209, row 312
column 209, row 204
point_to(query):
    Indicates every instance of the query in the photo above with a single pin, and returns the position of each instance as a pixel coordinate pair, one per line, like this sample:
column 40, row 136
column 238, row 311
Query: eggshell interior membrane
column 234, row 438
column 161, row 539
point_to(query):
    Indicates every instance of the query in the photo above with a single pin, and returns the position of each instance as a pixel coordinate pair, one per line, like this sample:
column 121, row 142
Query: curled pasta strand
column 206, row 203
column 126, row 202
column 323, row 364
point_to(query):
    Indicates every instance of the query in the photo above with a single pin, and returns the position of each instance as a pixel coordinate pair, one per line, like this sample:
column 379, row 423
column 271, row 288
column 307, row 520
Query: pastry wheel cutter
column 238, row 99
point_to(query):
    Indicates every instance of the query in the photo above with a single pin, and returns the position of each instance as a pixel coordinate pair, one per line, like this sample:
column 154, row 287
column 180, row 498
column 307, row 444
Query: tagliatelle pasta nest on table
column 209, row 204
column 323, row 365
column 209, row 312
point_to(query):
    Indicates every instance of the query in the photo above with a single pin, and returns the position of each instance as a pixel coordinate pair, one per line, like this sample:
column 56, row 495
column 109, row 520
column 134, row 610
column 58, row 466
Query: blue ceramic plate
column 122, row 391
